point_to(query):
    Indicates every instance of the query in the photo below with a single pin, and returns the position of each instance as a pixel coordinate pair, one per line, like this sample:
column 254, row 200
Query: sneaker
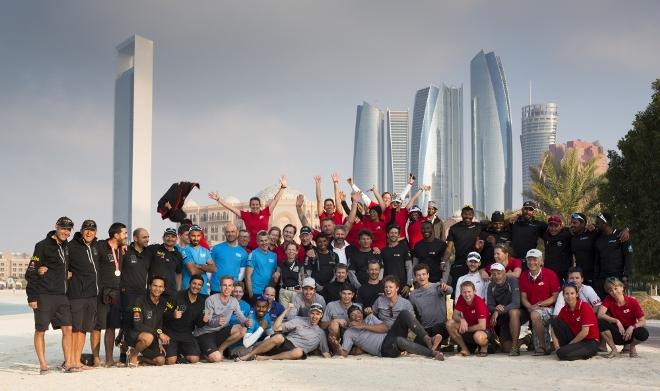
column 514, row 352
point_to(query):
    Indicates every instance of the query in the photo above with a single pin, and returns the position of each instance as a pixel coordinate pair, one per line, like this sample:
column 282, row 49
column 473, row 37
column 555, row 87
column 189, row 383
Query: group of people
column 378, row 270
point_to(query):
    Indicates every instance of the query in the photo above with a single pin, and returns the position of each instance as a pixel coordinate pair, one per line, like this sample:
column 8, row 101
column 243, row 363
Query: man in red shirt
column 467, row 326
column 371, row 222
column 328, row 207
column 539, row 288
column 256, row 219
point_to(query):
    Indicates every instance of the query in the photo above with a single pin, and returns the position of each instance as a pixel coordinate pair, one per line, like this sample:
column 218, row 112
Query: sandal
column 44, row 371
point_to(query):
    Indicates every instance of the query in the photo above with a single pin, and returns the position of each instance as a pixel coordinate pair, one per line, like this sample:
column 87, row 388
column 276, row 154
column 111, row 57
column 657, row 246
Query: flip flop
column 44, row 371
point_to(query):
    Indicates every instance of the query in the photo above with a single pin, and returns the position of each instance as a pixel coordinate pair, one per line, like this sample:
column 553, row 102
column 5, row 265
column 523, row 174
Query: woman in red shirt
column 621, row 319
column 575, row 331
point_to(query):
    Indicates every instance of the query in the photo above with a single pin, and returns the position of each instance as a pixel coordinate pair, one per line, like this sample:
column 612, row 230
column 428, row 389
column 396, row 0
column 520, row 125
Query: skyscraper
column 132, row 134
column 368, row 151
column 396, row 151
column 492, row 155
column 436, row 146
column 538, row 131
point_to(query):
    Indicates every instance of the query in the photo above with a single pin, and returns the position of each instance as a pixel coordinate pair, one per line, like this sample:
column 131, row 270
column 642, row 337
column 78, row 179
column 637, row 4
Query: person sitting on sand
column 575, row 329
column 621, row 319
column 467, row 327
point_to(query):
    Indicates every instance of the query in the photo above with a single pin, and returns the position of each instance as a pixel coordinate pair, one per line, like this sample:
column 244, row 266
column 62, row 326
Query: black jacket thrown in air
column 55, row 256
column 83, row 265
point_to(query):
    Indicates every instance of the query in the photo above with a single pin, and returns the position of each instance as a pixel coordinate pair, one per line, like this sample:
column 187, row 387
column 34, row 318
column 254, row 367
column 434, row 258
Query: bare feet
column 437, row 340
column 439, row 356
column 464, row 353
column 612, row 354
column 262, row 358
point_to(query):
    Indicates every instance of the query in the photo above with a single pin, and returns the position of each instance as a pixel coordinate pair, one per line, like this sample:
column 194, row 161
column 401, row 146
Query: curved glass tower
column 368, row 147
column 539, row 130
column 492, row 158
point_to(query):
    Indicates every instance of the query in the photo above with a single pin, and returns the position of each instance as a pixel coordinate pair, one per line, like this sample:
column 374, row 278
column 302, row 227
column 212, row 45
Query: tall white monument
column 131, row 200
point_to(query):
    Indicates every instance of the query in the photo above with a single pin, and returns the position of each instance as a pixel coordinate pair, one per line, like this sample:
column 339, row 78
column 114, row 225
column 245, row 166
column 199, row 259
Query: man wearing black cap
column 613, row 258
column 83, row 285
column 108, row 318
column 462, row 238
column 526, row 231
column 164, row 260
column 47, row 275
column 582, row 245
column 496, row 233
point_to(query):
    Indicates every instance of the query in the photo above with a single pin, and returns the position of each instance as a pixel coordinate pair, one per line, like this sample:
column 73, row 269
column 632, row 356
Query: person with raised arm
column 329, row 207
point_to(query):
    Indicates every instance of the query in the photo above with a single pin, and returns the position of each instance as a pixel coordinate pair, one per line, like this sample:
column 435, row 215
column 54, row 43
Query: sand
column 19, row 370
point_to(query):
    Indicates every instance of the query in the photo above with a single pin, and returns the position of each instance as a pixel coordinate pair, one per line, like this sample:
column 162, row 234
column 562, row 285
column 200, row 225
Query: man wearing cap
column 229, row 258
column 217, row 335
column 613, row 258
column 166, row 261
column 335, row 317
column 438, row 224
column 369, row 292
column 303, row 336
column 396, row 258
column 473, row 263
column 260, row 266
column 461, row 239
column 47, row 285
column 539, row 288
column 111, row 255
column 430, row 302
column 582, row 245
column 307, row 248
column 197, row 260
column 303, row 301
column 83, row 285
column 494, row 234
column 373, row 336
column 557, row 247
column 503, row 299
column 430, row 251
column 526, row 231
column 180, row 323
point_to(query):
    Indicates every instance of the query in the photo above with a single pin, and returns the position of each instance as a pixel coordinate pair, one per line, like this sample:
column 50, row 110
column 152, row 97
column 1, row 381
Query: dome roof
column 268, row 193
column 189, row 203
column 232, row 200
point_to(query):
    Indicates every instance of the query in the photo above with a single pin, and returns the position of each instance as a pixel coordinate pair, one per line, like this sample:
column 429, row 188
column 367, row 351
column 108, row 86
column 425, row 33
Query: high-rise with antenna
column 538, row 131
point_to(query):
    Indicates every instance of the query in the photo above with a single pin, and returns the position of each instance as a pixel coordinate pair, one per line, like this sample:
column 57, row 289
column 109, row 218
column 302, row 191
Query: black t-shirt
column 488, row 252
column 165, row 263
column 394, row 261
column 290, row 274
column 368, row 293
column 359, row 261
column 558, row 255
column 134, row 270
column 524, row 237
column 193, row 314
column 464, row 237
column 107, row 265
column 431, row 254
column 331, row 292
column 582, row 246
column 322, row 267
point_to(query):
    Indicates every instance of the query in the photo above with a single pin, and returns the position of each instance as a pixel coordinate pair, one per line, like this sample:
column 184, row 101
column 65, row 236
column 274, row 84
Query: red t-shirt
column 540, row 289
column 378, row 230
column 415, row 232
column 400, row 219
column 472, row 313
column 337, row 217
column 255, row 222
column 583, row 315
column 627, row 314
column 511, row 265
column 352, row 236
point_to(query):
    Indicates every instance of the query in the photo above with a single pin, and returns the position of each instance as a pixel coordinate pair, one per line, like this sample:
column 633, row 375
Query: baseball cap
column 262, row 298
column 432, row 204
column 305, row 230
column 195, row 228
column 316, row 307
column 578, row 216
column 605, row 218
column 311, row 283
column 88, row 224
column 555, row 219
column 415, row 209
column 64, row 222
column 169, row 231
column 397, row 199
column 497, row 217
column 497, row 266
column 529, row 204
column 474, row 256
column 466, row 207
column 534, row 253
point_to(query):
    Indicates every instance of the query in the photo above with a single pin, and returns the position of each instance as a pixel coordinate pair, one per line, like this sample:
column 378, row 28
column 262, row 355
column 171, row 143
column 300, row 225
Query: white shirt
column 341, row 252
column 586, row 294
column 479, row 285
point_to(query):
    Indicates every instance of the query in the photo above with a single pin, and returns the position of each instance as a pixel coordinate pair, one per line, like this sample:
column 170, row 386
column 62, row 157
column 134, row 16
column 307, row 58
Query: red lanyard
column 114, row 257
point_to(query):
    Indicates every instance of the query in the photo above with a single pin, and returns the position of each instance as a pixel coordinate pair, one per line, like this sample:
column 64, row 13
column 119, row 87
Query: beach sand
column 19, row 370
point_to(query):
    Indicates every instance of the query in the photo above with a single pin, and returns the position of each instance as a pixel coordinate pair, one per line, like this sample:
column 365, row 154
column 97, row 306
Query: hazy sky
column 245, row 91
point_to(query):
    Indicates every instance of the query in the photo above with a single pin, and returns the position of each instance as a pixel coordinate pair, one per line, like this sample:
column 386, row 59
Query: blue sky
column 246, row 91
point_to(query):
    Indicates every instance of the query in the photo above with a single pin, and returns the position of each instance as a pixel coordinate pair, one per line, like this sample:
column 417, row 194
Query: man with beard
column 525, row 231
column 462, row 238
column 496, row 233
column 396, row 259
column 557, row 245
column 614, row 258
column 197, row 260
column 321, row 266
column 166, row 261
column 332, row 291
column 430, row 251
column 229, row 258
column 369, row 292
column 179, row 324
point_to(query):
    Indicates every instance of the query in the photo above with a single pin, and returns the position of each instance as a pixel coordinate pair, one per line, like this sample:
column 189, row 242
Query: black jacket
column 107, row 267
column 83, row 265
column 55, row 257
column 193, row 316
column 613, row 258
column 148, row 316
column 134, row 270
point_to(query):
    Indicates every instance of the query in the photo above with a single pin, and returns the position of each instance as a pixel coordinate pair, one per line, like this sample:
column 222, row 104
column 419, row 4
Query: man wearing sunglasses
column 613, row 258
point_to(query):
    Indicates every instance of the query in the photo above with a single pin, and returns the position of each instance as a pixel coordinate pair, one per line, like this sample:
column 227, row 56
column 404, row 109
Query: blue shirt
column 198, row 255
column 229, row 260
column 275, row 310
column 256, row 325
column 264, row 265
column 245, row 309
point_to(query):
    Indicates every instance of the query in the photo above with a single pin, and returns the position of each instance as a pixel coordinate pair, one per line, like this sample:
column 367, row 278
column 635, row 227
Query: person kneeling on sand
column 467, row 327
column 303, row 335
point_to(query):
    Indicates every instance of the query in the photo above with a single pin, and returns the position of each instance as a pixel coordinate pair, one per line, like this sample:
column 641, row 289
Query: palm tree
column 566, row 186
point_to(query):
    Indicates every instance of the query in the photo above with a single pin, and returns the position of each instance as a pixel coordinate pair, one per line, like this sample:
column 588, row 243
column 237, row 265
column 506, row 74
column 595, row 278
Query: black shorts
column 468, row 338
column 440, row 328
column 640, row 333
column 209, row 342
column 108, row 315
column 83, row 314
column 287, row 346
column 151, row 351
column 502, row 329
column 184, row 346
column 52, row 309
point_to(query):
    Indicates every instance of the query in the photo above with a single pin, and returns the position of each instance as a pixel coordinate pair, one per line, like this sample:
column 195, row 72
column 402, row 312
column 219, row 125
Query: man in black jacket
column 83, row 285
column 614, row 258
column 147, row 336
column 47, row 276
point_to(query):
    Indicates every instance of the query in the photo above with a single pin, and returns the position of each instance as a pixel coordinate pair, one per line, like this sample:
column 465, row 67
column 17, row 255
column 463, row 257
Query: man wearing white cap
column 473, row 263
column 303, row 301
column 539, row 288
column 503, row 300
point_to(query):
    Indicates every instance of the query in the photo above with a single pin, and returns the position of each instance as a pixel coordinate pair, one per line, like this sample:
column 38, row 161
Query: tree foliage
column 565, row 186
column 632, row 193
